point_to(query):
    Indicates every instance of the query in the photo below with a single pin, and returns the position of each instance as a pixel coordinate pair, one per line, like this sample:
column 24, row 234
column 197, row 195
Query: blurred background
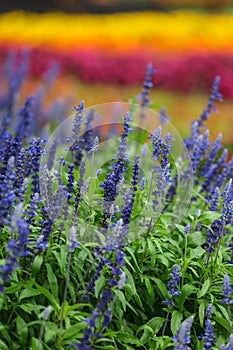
column 110, row 6
column 98, row 51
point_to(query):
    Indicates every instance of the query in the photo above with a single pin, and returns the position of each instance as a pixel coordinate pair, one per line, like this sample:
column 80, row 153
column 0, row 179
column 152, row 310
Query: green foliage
column 44, row 307
column 138, row 310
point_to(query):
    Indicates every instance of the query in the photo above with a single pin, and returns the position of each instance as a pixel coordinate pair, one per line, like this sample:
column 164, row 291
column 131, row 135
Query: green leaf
column 131, row 252
column 22, row 330
column 36, row 265
column 99, row 285
column 180, row 228
column 128, row 339
column 176, row 321
column 148, row 213
column 30, row 308
column 202, row 312
column 1, row 301
column 208, row 217
column 36, row 344
column 28, row 293
column 61, row 258
column 127, row 262
column 73, row 331
column 204, row 289
column 130, row 279
column 75, row 307
column 221, row 321
column 149, row 288
column 52, row 281
column 156, row 323
column 163, row 343
column 157, row 243
column 4, row 333
column 130, row 285
column 49, row 334
column 223, row 311
column 135, row 310
column 193, row 270
column 106, row 347
column 197, row 252
column 3, row 346
column 186, row 290
column 72, row 291
column 49, row 296
column 118, row 311
column 147, row 334
column 196, row 239
column 163, row 260
column 152, row 251
column 16, row 287
column 121, row 297
column 161, row 286
column 83, row 254
column 104, row 339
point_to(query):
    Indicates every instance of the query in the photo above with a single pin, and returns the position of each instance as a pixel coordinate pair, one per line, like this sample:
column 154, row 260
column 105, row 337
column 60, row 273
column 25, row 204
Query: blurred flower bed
column 188, row 48
column 56, row 93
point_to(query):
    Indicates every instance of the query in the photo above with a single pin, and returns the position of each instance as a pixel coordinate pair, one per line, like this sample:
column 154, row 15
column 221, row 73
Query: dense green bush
column 95, row 258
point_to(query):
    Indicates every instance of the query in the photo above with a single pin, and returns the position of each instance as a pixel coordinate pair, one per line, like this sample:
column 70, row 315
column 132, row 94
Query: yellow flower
column 160, row 32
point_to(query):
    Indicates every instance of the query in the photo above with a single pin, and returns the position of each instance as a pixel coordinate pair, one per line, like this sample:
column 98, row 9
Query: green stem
column 41, row 335
column 185, row 254
column 11, row 314
column 208, row 260
column 165, row 324
column 229, row 319
column 84, row 277
column 65, row 292
column 217, row 251
column 150, row 188
column 92, row 163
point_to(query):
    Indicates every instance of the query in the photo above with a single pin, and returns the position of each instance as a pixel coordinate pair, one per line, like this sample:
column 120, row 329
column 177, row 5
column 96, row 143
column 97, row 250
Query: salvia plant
column 119, row 247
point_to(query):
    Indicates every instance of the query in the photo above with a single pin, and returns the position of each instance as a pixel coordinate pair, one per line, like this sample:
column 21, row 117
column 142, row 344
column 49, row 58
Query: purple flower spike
column 229, row 346
column 209, row 336
column 183, row 338
column 209, row 311
column 143, row 98
column 214, row 96
column 227, row 291
column 174, row 282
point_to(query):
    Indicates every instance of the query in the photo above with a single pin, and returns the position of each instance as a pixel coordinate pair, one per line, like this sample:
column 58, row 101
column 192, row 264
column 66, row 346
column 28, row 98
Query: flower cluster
column 183, row 338
column 143, row 98
column 209, row 336
column 227, row 291
column 16, row 247
column 173, row 286
column 92, row 243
